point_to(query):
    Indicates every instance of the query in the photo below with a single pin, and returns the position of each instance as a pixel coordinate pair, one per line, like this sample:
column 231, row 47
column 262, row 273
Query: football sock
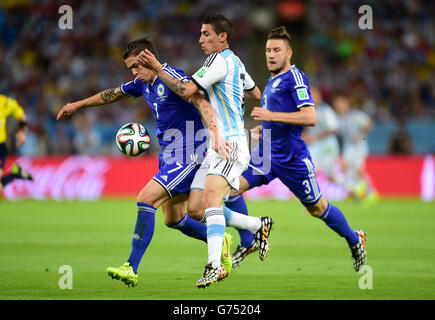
column 191, row 228
column 9, row 178
column 237, row 203
column 335, row 219
column 215, row 234
column 237, row 220
column 143, row 233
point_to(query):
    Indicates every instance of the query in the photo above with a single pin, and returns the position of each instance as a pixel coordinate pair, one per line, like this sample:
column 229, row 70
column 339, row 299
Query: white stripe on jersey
column 312, row 178
column 181, row 175
column 173, row 73
column 210, row 59
column 298, row 78
column 230, row 89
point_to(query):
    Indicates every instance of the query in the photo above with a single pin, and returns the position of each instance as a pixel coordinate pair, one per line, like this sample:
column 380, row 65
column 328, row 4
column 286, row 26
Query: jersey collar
column 154, row 80
column 279, row 74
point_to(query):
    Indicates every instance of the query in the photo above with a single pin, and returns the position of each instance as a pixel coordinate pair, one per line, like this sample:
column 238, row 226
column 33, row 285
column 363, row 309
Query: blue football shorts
column 176, row 177
column 298, row 175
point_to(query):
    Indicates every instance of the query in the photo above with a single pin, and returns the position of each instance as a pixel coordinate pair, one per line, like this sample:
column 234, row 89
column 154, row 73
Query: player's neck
column 221, row 48
column 282, row 71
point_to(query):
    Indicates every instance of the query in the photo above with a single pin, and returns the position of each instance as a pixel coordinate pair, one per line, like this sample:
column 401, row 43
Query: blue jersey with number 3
column 286, row 92
column 291, row 161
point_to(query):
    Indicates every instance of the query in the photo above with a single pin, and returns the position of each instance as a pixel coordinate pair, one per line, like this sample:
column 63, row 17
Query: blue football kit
column 177, row 125
column 289, row 157
column 178, row 129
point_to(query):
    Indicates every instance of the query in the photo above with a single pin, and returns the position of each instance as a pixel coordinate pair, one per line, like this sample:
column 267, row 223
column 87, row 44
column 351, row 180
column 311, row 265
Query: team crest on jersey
column 302, row 94
column 276, row 83
column 160, row 90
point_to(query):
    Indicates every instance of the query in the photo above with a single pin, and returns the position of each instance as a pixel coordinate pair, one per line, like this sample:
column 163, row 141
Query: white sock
column 241, row 221
column 215, row 220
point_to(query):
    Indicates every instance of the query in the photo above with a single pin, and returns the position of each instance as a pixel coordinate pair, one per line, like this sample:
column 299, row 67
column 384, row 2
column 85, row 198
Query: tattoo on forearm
column 174, row 84
column 205, row 110
column 110, row 95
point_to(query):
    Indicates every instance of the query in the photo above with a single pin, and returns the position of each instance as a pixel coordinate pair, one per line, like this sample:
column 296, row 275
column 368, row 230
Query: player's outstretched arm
column 184, row 89
column 306, row 116
column 104, row 97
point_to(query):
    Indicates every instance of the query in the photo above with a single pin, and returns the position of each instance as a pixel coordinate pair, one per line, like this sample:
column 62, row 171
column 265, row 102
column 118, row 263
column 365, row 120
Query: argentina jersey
column 286, row 92
column 224, row 79
column 177, row 121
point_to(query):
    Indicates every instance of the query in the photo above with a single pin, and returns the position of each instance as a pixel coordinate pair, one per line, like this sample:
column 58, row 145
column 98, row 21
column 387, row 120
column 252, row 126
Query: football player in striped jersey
column 225, row 82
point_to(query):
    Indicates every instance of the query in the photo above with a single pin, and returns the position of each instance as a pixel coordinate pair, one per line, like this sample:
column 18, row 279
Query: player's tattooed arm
column 219, row 144
column 184, row 89
column 205, row 110
column 104, row 97
column 112, row 95
column 175, row 85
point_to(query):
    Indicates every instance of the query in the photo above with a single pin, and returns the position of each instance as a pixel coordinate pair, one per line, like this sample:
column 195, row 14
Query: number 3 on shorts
column 306, row 184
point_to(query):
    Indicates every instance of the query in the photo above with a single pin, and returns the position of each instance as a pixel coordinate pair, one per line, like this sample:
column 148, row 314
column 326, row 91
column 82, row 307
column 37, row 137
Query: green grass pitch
column 307, row 260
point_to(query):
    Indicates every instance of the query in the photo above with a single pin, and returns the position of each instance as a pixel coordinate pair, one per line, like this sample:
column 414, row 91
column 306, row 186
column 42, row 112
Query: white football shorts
column 231, row 169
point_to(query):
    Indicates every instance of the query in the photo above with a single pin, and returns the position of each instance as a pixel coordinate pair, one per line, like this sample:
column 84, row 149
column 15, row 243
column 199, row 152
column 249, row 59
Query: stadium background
column 387, row 72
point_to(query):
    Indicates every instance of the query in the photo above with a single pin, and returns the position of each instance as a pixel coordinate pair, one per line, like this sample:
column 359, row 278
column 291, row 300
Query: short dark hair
column 220, row 24
column 280, row 33
column 138, row 45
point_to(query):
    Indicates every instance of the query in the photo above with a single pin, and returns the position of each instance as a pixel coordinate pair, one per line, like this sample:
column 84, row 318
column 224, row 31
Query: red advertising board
column 91, row 178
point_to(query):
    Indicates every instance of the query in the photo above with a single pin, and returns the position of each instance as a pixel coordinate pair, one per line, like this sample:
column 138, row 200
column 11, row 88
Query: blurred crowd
column 387, row 71
column 45, row 67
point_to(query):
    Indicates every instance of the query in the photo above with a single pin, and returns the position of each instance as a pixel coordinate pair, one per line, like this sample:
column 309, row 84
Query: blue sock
column 143, row 233
column 335, row 219
column 191, row 228
column 237, row 204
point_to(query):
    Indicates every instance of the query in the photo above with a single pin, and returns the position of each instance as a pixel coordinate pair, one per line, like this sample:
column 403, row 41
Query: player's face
column 139, row 71
column 210, row 41
column 278, row 54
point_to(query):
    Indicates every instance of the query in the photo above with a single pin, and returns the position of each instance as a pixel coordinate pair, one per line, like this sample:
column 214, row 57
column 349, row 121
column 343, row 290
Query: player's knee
column 211, row 198
column 195, row 212
column 147, row 198
column 319, row 208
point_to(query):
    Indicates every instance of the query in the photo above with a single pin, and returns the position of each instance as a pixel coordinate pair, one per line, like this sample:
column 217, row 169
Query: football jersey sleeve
column 213, row 70
column 249, row 83
column 132, row 88
column 15, row 109
column 300, row 90
column 175, row 73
